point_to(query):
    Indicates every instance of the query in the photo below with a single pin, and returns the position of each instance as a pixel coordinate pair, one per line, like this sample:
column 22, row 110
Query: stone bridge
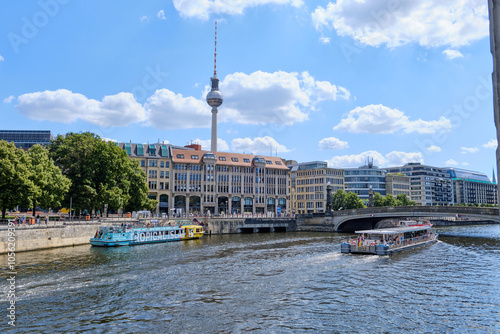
column 367, row 218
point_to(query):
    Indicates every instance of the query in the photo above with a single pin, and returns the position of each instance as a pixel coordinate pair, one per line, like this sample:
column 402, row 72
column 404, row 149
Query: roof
column 228, row 158
column 396, row 230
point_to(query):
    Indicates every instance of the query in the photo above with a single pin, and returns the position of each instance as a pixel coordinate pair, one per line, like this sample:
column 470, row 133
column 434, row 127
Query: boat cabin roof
column 396, row 230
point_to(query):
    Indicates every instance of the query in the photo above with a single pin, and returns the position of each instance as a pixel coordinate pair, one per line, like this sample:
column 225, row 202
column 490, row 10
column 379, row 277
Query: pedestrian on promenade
column 38, row 219
column 46, row 219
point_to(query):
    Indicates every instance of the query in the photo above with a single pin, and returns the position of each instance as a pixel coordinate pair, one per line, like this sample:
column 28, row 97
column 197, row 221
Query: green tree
column 16, row 187
column 353, row 201
column 378, row 200
column 403, row 200
column 339, row 200
column 138, row 189
column 389, row 200
column 100, row 172
column 51, row 185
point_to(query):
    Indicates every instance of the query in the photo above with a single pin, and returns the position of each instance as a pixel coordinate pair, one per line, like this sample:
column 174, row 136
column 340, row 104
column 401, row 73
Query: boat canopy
column 396, row 230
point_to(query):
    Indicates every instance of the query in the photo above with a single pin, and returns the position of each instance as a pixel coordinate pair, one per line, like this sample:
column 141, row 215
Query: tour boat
column 128, row 234
column 390, row 240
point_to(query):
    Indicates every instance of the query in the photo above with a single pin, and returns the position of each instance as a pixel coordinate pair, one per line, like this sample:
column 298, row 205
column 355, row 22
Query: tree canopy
column 389, row 200
column 101, row 173
column 343, row 200
column 16, row 187
column 51, row 184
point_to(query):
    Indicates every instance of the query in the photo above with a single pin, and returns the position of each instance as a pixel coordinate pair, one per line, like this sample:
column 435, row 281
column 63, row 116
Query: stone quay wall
column 40, row 236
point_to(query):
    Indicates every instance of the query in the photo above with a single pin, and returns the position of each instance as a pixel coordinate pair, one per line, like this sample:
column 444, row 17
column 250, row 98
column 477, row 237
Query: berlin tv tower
column 214, row 97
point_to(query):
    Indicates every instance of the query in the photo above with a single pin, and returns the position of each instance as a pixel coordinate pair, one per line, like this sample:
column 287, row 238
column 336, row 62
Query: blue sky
column 400, row 81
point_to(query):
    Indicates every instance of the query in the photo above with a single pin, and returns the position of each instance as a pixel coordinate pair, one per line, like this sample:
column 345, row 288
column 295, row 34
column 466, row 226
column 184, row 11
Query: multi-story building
column 359, row 180
column 397, row 184
column 429, row 185
column 26, row 138
column 472, row 187
column 308, row 185
column 189, row 180
column 223, row 182
column 156, row 161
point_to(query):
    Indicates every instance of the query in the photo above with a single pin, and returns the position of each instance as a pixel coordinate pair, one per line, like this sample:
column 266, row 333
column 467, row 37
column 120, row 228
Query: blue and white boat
column 127, row 235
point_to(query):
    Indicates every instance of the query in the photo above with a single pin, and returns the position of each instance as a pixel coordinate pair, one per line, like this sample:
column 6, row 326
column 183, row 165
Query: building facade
column 397, row 184
column 428, row 185
column 26, row 138
column 472, row 187
column 187, row 180
column 308, row 185
column 359, row 180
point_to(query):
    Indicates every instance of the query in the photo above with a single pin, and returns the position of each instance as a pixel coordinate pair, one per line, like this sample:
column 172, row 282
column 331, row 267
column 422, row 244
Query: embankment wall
column 34, row 237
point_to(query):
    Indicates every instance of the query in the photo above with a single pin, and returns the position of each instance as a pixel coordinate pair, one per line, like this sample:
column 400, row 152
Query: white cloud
column 434, row 148
column 258, row 145
column 161, row 15
column 277, row 98
column 202, row 9
column 332, row 143
column 493, row 143
column 324, row 40
column 430, row 23
column 393, row 158
column 65, row 106
column 222, row 145
column 109, row 140
column 465, row 163
column 259, row 98
column 451, row 162
column 379, row 119
column 466, row 150
column 144, row 19
column 2, row 58
column 167, row 110
column 452, row 54
column 9, row 99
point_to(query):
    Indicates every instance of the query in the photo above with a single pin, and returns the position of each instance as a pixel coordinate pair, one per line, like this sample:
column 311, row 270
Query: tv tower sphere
column 214, row 97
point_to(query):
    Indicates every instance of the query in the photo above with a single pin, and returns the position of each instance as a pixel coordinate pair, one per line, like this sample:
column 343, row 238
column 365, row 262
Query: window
column 180, row 156
column 269, row 162
column 143, row 163
column 128, row 149
column 194, row 157
column 152, row 150
column 162, row 164
column 164, row 151
column 246, row 160
column 140, row 149
column 222, row 158
column 277, row 162
column 234, row 159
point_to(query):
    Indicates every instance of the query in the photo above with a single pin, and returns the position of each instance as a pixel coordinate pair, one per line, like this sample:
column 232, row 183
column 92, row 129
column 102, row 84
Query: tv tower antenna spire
column 214, row 98
column 215, row 54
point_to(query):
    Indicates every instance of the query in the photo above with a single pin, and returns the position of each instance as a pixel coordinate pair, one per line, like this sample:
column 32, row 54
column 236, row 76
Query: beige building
column 308, row 185
column 189, row 180
column 397, row 184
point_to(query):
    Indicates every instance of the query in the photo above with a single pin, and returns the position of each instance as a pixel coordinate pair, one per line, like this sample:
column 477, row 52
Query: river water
column 264, row 283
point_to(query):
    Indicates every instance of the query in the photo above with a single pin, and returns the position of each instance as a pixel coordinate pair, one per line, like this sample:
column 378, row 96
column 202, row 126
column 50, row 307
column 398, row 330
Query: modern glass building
column 429, row 185
column 359, row 180
column 26, row 138
column 472, row 187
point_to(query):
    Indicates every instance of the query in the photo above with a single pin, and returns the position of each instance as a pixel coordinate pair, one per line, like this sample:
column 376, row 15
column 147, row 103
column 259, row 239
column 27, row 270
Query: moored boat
column 390, row 240
column 127, row 235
